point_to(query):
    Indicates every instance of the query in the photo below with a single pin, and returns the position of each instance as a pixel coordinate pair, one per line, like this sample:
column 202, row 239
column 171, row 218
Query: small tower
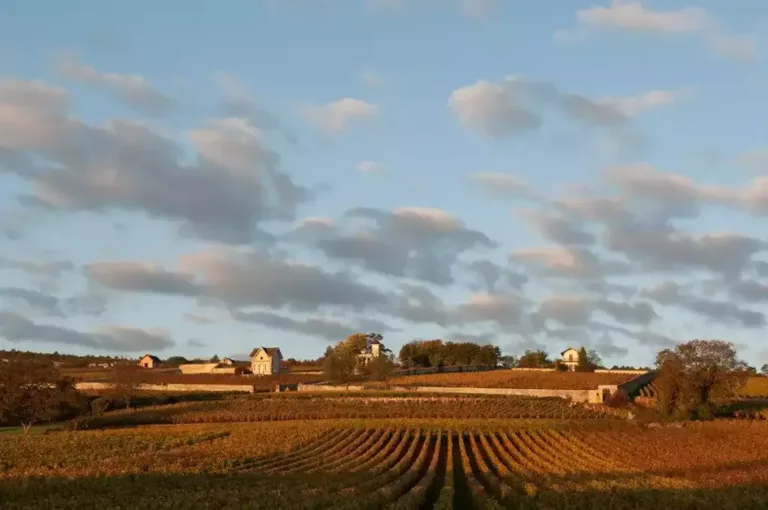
column 375, row 349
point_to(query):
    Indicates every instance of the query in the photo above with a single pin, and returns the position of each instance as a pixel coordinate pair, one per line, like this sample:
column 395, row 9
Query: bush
column 99, row 406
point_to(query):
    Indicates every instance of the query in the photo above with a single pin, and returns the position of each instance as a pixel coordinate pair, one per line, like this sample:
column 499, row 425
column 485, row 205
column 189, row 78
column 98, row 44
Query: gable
column 570, row 351
column 265, row 353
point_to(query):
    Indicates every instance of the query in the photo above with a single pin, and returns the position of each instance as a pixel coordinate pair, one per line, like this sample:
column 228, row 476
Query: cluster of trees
column 696, row 376
column 32, row 391
column 341, row 362
column 436, row 353
column 588, row 361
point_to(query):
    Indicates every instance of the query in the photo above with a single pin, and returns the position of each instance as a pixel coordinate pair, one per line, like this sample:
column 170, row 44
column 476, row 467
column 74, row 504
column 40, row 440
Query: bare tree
column 32, row 392
column 126, row 380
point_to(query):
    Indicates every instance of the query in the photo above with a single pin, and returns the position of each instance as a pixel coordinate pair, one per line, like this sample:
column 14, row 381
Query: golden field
column 391, row 464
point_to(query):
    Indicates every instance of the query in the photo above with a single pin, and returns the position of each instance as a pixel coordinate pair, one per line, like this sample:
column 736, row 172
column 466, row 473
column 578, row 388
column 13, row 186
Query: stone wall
column 609, row 371
column 212, row 388
column 574, row 395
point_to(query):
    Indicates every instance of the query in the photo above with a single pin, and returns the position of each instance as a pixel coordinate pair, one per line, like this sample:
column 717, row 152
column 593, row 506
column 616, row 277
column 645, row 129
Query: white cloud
column 735, row 47
column 637, row 104
column 335, row 116
column 370, row 167
column 634, row 16
column 132, row 89
column 626, row 15
column 492, row 109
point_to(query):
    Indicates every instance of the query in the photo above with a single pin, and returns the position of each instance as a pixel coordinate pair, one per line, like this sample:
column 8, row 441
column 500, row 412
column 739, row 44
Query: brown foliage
column 32, row 392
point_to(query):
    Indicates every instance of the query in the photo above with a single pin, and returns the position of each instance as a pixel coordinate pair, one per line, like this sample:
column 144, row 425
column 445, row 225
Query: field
column 263, row 382
column 515, row 379
column 400, row 464
column 756, row 387
column 299, row 406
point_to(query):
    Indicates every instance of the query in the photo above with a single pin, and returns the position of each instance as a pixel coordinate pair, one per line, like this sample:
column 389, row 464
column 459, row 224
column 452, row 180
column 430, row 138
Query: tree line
column 437, row 353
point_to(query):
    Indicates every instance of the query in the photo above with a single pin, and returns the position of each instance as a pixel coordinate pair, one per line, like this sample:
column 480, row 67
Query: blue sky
column 196, row 180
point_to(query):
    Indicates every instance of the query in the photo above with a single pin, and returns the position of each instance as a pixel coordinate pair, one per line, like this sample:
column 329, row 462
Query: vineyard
column 282, row 407
column 390, row 464
column 756, row 387
column 515, row 379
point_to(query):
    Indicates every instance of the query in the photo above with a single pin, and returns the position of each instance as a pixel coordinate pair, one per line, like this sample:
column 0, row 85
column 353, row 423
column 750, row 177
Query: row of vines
column 390, row 465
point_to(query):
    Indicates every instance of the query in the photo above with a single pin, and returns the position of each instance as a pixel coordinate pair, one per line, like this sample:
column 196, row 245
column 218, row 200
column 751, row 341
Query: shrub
column 99, row 406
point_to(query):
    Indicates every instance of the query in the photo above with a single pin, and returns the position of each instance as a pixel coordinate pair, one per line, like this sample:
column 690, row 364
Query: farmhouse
column 149, row 361
column 266, row 360
column 227, row 361
column 570, row 358
column 371, row 352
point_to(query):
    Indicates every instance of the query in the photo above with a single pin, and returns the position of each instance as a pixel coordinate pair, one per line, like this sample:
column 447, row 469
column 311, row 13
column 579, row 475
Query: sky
column 200, row 179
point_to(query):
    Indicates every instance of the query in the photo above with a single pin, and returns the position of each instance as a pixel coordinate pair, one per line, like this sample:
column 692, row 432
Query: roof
column 569, row 349
column 271, row 351
column 153, row 358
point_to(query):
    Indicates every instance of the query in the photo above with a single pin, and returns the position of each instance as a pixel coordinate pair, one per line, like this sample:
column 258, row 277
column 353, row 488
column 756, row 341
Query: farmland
column 281, row 407
column 516, row 379
column 391, row 464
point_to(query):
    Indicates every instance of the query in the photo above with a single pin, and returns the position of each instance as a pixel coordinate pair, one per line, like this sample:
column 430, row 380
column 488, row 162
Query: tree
column 764, row 369
column 380, row 368
column 535, row 359
column 339, row 365
column 32, row 392
column 594, row 359
column 126, row 382
column 175, row 361
column 215, row 358
column 584, row 364
column 697, row 375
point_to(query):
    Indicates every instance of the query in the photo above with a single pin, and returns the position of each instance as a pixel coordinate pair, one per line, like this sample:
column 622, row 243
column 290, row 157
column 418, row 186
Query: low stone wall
column 518, row 369
column 609, row 371
column 574, row 395
column 212, row 388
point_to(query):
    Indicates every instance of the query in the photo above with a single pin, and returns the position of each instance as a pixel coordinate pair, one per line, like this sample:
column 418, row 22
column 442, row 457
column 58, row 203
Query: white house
column 371, row 352
column 266, row 360
column 570, row 358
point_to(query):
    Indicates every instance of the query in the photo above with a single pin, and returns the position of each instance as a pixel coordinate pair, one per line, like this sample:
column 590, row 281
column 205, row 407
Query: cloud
column 32, row 115
column 414, row 242
column 335, row 116
column 192, row 342
column 631, row 106
column 491, row 109
column 517, row 105
column 141, row 277
column 735, row 47
column 371, row 78
column 131, row 89
column 240, row 279
column 240, row 103
column 16, row 328
column 673, row 294
column 370, row 167
column 634, row 16
column 329, row 329
column 629, row 15
column 53, row 306
column 501, row 185
column 232, row 184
